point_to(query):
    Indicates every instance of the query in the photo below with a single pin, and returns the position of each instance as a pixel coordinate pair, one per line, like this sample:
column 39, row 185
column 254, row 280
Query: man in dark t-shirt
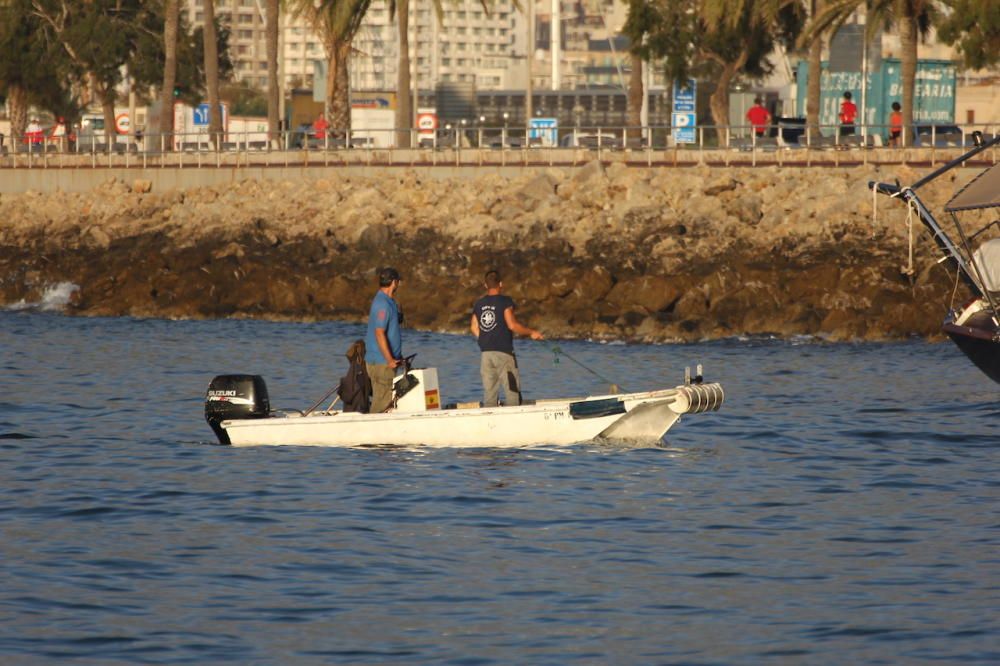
column 494, row 325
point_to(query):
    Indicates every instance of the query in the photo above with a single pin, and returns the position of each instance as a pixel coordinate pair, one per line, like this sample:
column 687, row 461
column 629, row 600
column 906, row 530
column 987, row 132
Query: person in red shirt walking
column 320, row 126
column 759, row 117
column 848, row 114
column 895, row 124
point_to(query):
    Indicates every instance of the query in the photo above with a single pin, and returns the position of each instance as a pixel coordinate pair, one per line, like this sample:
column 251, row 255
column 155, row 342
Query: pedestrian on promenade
column 895, row 124
column 34, row 134
column 759, row 117
column 319, row 127
column 384, row 341
column 848, row 114
column 494, row 325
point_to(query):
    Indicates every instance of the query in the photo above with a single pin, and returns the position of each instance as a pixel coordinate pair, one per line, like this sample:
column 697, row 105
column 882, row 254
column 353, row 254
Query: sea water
column 840, row 508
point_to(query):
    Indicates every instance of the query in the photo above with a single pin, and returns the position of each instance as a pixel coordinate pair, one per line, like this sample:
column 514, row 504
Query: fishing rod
column 556, row 350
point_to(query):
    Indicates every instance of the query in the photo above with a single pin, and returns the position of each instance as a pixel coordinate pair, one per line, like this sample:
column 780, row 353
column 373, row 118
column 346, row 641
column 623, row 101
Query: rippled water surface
column 840, row 508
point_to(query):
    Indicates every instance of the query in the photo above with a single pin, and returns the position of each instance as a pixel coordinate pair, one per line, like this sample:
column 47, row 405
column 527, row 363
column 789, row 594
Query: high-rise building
column 245, row 20
column 468, row 44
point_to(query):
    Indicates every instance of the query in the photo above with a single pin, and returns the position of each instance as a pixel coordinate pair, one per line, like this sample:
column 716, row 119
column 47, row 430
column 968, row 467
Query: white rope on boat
column 910, row 209
column 874, row 207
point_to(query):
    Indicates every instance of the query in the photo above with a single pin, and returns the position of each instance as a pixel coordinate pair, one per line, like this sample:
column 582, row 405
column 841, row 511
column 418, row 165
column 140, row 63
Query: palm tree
column 404, row 111
column 273, row 86
column 170, row 29
column 739, row 36
column 813, row 91
column 635, row 93
column 212, row 74
column 336, row 22
column 641, row 20
column 912, row 18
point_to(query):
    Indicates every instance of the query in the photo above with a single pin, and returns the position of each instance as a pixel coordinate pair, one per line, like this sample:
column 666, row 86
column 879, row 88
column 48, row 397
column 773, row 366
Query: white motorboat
column 238, row 410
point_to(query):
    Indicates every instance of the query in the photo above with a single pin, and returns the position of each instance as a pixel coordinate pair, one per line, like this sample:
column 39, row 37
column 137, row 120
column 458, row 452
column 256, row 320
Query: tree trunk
column 170, row 28
column 212, row 75
column 108, row 108
column 404, row 111
column 338, row 89
column 719, row 101
column 635, row 93
column 813, row 91
column 908, row 73
column 17, row 102
column 107, row 99
column 273, row 86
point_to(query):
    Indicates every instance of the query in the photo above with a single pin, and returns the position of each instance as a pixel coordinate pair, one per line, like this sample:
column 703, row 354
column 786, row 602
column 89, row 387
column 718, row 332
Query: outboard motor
column 235, row 397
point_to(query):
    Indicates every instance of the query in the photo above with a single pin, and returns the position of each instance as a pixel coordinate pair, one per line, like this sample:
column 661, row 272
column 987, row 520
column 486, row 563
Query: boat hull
column 629, row 417
column 981, row 348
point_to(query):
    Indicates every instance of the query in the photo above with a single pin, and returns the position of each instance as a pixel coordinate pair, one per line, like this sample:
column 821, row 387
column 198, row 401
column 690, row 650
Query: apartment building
column 466, row 45
column 246, row 21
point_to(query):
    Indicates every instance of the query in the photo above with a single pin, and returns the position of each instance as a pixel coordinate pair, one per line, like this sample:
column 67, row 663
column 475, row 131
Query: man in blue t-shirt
column 384, row 342
column 494, row 325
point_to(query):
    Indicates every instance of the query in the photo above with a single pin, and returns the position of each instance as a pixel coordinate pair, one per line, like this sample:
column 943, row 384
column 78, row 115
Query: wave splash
column 54, row 299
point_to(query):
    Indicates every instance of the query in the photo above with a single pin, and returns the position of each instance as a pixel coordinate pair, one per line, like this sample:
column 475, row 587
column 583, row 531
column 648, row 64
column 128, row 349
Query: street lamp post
column 503, row 138
column 482, row 121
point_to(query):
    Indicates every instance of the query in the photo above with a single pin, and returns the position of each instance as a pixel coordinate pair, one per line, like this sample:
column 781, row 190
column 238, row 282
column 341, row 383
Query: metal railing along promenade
column 781, row 144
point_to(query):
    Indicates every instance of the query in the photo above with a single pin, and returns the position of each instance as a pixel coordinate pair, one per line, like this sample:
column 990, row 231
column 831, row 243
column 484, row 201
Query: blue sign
column 683, row 128
column 684, row 97
column 201, row 114
column 546, row 129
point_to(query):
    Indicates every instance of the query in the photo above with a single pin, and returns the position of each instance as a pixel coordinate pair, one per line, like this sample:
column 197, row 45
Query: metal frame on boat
column 975, row 327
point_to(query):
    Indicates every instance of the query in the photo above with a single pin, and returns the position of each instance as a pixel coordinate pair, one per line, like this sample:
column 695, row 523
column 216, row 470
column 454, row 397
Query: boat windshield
column 987, row 262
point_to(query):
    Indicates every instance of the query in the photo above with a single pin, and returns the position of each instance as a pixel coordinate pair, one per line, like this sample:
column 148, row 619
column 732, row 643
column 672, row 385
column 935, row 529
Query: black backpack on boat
column 355, row 389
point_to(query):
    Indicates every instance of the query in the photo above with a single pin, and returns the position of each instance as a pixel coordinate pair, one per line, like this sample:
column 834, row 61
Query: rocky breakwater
column 617, row 252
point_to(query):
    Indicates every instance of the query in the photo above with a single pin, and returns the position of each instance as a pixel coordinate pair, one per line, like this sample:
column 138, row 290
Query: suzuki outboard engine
column 235, row 397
